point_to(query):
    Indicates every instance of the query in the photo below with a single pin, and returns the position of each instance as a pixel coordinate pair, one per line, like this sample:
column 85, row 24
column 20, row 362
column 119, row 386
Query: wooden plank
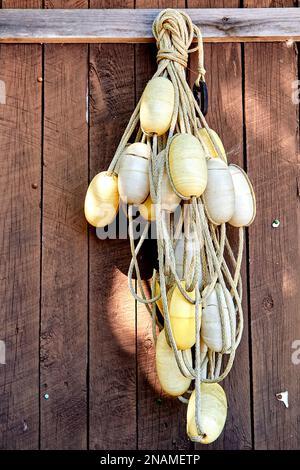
column 20, row 155
column 218, row 25
column 223, row 63
column 65, row 247
column 274, row 269
column 272, row 155
column 161, row 419
column 112, row 308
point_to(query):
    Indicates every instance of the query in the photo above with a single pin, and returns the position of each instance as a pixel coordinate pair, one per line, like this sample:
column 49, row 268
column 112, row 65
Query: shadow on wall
column 126, row 404
column 122, row 364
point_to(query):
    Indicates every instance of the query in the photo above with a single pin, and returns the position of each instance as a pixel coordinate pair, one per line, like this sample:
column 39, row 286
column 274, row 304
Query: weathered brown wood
column 64, row 342
column 272, row 155
column 121, row 364
column 112, row 308
column 20, row 156
column 273, row 163
column 223, row 63
column 161, row 420
column 217, row 25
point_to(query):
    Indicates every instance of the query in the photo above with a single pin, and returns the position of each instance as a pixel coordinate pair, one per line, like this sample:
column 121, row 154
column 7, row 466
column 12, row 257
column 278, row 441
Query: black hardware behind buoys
column 201, row 95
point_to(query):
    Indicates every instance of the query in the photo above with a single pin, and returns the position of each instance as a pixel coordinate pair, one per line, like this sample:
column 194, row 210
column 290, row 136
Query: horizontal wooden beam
column 133, row 26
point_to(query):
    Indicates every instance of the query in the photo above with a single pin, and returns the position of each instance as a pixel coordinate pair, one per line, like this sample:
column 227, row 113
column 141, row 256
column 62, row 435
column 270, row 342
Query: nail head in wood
column 275, row 223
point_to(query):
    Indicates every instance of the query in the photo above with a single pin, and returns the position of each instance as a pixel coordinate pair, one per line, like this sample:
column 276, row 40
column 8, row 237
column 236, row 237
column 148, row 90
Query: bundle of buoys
column 169, row 161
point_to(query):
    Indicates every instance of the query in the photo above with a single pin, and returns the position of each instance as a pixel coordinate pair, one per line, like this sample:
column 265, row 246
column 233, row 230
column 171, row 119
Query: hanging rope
column 209, row 265
column 174, row 33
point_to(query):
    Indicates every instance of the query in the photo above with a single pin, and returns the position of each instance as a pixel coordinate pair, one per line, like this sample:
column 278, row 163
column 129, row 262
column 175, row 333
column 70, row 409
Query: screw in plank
column 40, row 79
column 46, row 396
column 34, row 186
column 275, row 223
column 284, row 397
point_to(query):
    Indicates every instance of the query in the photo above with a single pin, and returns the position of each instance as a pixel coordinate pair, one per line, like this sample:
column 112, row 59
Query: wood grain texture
column 274, row 278
column 112, row 308
column 274, row 270
column 269, row 3
column 20, row 155
column 24, row 4
column 272, row 155
column 218, row 25
column 124, row 401
column 161, row 419
column 223, row 63
column 64, row 314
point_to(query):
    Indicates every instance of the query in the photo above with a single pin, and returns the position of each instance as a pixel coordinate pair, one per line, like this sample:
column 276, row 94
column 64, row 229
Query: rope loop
column 174, row 33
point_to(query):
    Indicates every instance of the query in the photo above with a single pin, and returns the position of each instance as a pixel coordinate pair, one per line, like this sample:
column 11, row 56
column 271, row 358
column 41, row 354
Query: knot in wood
column 268, row 303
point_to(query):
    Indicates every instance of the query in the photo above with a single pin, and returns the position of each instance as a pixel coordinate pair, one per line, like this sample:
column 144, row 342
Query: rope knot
column 174, row 32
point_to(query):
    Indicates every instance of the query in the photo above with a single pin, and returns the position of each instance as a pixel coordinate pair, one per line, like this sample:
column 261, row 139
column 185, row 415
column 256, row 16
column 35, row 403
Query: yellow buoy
column 170, row 377
column 157, row 106
column 182, row 318
column 187, row 164
column 207, row 141
column 213, row 413
column 147, row 209
column 102, row 200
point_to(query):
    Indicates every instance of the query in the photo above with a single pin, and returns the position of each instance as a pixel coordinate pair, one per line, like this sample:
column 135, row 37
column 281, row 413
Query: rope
column 207, row 254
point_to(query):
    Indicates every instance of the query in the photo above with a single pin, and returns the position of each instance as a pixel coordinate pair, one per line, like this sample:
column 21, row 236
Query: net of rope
column 209, row 285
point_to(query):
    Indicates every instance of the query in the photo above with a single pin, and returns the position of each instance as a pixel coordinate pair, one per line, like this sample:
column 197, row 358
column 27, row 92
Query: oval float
column 213, row 413
column 170, row 377
column 207, row 141
column 102, row 200
column 187, row 164
column 169, row 200
column 182, row 318
column 218, row 197
column 133, row 180
column 147, row 209
column 245, row 206
column 211, row 324
column 157, row 106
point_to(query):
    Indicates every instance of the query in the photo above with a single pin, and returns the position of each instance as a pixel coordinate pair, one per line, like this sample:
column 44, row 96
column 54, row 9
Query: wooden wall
column 79, row 369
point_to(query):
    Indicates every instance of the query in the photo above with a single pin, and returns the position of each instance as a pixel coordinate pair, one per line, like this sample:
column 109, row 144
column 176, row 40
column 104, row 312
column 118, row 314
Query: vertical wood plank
column 20, row 155
column 161, row 420
column 272, row 158
column 223, row 63
column 274, row 269
column 65, row 245
column 112, row 309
